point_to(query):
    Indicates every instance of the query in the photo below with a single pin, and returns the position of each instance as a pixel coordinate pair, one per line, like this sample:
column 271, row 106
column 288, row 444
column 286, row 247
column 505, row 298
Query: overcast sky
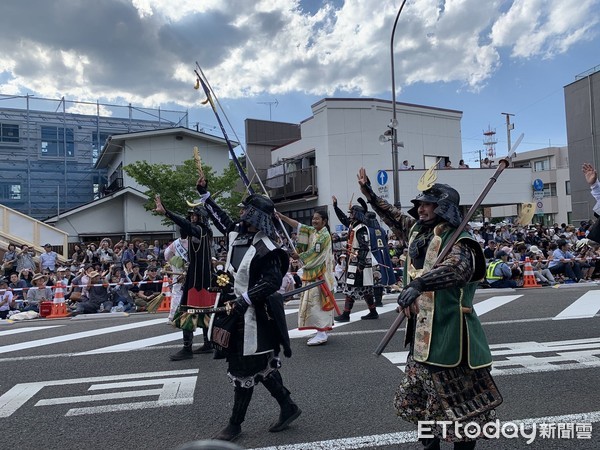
column 482, row 57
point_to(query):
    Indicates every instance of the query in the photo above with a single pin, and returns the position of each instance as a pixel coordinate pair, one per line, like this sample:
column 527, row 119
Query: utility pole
column 509, row 126
column 270, row 105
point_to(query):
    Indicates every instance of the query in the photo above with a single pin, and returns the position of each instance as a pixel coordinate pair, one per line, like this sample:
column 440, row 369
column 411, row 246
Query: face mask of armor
column 258, row 212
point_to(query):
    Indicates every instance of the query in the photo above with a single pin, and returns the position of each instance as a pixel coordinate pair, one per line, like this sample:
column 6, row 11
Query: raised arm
column 342, row 217
column 391, row 215
column 220, row 218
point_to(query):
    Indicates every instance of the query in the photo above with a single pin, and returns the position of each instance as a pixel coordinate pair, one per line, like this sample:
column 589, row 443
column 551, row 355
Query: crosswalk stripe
column 75, row 336
column 141, row 343
column 27, row 330
column 585, row 306
column 492, row 303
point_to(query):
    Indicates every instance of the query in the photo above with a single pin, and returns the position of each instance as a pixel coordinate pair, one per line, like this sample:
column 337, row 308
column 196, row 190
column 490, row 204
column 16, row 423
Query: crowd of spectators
column 125, row 276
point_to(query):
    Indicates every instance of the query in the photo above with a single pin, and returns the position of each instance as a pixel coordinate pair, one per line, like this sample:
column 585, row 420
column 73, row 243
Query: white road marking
column 492, row 303
column 519, row 357
column 141, row 343
column 77, row 336
column 405, row 437
column 175, row 391
column 27, row 330
column 587, row 305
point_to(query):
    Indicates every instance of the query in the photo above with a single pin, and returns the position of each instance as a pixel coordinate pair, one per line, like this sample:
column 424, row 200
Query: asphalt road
column 106, row 382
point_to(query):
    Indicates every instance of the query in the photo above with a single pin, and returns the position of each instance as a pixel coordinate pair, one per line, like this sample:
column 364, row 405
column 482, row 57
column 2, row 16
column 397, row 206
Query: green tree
column 176, row 185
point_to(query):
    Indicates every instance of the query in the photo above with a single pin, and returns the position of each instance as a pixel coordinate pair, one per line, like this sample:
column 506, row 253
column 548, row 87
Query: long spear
column 504, row 163
column 202, row 81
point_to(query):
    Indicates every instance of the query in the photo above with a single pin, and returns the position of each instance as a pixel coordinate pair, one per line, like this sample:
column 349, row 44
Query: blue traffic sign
column 382, row 177
column 538, row 185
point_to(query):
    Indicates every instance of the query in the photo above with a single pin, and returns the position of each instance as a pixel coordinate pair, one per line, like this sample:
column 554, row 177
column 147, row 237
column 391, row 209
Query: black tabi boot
column 467, row 445
column 372, row 314
column 343, row 317
column 289, row 410
column 186, row 351
column 242, row 397
column 430, row 443
column 206, row 347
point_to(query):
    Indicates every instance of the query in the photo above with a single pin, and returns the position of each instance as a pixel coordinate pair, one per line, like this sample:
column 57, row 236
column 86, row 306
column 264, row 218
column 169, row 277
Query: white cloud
column 143, row 51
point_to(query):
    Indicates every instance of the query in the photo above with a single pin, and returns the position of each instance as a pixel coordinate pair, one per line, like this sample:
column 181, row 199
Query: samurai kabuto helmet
column 359, row 212
column 258, row 211
column 201, row 212
column 447, row 199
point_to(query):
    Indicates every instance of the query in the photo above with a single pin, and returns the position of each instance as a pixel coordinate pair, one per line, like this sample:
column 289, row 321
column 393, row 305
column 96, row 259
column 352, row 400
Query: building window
column 568, row 187
column 10, row 191
column 9, row 133
column 55, row 140
column 540, row 166
column 550, row 190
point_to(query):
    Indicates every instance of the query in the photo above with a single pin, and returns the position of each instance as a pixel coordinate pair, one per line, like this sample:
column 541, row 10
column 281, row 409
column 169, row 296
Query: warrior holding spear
column 449, row 346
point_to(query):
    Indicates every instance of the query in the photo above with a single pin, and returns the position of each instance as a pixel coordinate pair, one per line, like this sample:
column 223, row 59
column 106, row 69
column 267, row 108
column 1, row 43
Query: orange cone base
column 529, row 282
column 59, row 311
column 165, row 305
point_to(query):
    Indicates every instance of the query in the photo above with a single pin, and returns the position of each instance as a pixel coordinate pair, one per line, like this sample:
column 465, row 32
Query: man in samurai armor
column 254, row 329
column 359, row 268
column 383, row 271
column 448, row 347
column 198, row 279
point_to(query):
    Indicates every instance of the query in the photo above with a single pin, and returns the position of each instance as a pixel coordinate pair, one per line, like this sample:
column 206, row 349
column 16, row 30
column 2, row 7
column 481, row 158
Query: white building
column 120, row 212
column 342, row 135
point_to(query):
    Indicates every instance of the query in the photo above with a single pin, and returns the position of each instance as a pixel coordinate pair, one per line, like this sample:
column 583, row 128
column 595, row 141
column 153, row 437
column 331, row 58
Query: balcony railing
column 291, row 185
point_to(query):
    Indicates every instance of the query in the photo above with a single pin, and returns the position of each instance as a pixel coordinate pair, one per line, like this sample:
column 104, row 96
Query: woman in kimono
column 315, row 251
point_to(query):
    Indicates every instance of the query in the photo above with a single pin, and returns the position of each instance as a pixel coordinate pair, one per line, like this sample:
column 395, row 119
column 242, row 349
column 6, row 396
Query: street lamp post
column 394, row 123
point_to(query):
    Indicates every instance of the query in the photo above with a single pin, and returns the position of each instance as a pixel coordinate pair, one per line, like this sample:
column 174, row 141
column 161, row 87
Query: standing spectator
column 462, row 165
column 105, row 254
column 128, row 254
column 78, row 256
column 486, row 163
column 25, row 259
column 340, row 271
column 405, row 165
column 48, row 259
column 91, row 257
column 448, row 165
column 9, row 260
column 141, row 256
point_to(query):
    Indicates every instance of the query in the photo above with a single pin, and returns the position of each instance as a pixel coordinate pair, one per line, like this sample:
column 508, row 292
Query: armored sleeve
column 399, row 222
column 456, row 270
column 342, row 217
column 196, row 230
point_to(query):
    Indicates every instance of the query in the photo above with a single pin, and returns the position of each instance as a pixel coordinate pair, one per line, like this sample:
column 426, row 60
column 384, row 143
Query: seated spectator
column 540, row 267
column 18, row 287
column 490, row 251
column 97, row 299
column 585, row 256
column 563, row 262
column 119, row 290
column 149, row 289
column 27, row 276
column 499, row 272
column 6, row 298
column 462, row 165
column 39, row 292
column 404, row 165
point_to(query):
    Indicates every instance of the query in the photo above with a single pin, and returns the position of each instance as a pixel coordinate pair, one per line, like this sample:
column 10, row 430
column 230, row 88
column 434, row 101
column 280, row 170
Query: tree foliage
column 177, row 184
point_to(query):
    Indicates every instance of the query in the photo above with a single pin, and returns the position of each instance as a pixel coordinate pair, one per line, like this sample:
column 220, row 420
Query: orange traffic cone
column 165, row 304
column 59, row 307
column 528, row 276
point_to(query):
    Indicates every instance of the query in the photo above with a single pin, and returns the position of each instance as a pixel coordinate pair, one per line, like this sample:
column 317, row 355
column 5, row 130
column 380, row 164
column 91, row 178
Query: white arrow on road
column 178, row 388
